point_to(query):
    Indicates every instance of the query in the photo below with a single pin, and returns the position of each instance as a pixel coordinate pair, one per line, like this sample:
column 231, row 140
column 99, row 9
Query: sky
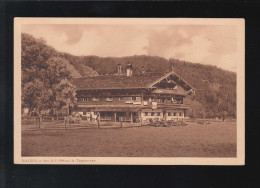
column 205, row 44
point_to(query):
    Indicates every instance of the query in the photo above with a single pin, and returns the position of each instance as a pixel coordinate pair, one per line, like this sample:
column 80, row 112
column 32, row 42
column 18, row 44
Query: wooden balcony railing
column 123, row 104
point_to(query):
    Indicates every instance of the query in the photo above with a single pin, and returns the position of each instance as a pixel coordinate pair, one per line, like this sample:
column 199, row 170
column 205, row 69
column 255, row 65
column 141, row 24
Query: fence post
column 39, row 121
column 65, row 118
column 65, row 122
column 121, row 123
column 98, row 123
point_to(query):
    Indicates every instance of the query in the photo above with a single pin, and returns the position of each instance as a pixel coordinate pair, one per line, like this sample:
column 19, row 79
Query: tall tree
column 46, row 81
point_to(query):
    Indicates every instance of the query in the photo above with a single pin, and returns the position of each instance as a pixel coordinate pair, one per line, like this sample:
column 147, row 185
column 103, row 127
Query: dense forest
column 215, row 88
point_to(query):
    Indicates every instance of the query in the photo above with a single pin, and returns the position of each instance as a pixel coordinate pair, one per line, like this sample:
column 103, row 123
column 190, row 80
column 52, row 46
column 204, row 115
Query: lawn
column 218, row 139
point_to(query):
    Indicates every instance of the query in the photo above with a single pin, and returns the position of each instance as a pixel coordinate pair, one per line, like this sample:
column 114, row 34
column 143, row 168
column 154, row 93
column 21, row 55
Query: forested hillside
column 215, row 88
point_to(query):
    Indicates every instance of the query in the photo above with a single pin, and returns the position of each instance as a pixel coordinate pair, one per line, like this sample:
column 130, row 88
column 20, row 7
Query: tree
column 33, row 95
column 46, row 81
column 222, row 109
column 196, row 109
column 224, row 114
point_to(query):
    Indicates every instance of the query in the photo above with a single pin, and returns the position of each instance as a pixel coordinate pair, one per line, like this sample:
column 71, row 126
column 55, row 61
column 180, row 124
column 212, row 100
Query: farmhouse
column 134, row 98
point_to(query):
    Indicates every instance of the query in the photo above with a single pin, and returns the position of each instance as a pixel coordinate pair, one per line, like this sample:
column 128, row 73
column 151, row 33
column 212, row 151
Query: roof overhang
column 127, row 88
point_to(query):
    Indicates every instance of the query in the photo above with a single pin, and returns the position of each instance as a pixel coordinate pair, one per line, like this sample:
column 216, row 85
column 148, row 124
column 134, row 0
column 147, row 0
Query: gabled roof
column 187, row 85
column 142, row 80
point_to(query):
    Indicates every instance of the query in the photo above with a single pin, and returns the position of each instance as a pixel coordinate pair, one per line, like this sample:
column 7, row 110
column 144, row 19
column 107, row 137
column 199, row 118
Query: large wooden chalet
column 134, row 98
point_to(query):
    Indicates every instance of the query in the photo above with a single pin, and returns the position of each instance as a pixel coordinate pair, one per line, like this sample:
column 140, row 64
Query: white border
column 239, row 160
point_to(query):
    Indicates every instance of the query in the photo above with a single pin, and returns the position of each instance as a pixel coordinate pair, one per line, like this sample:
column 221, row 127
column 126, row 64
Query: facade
column 135, row 98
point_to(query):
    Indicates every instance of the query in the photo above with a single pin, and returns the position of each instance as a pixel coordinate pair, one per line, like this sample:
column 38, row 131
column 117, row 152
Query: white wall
column 149, row 111
column 176, row 117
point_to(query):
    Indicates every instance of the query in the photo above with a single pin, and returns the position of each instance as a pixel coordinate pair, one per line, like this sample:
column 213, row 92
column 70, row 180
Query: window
column 95, row 113
column 175, row 113
column 152, row 114
column 180, row 114
column 85, row 99
column 84, row 113
column 158, row 113
column 134, row 98
column 169, row 114
column 146, row 113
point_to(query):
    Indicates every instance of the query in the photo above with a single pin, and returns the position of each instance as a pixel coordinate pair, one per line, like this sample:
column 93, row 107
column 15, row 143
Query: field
column 217, row 139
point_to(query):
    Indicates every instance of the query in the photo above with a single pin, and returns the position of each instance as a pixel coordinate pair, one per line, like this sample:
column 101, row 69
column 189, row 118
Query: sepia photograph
column 145, row 91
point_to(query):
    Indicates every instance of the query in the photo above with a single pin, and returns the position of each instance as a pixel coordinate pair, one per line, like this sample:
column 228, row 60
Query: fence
column 72, row 123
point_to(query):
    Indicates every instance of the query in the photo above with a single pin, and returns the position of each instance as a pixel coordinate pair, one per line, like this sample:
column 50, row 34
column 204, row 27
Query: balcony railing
column 142, row 104
column 162, row 105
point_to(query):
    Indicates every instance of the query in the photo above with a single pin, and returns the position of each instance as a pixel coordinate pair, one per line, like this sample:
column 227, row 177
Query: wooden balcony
column 123, row 104
column 172, row 105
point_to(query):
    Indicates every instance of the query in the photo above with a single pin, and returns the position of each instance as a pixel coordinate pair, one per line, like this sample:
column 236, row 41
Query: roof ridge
column 95, row 76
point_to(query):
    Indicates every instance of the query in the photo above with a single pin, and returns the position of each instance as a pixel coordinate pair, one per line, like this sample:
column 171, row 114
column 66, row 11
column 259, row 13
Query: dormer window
column 95, row 99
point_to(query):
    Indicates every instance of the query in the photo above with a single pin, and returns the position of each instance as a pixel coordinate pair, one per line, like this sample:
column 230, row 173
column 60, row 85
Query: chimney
column 129, row 70
column 119, row 69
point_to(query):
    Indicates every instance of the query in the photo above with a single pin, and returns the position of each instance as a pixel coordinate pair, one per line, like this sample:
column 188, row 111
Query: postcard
column 129, row 91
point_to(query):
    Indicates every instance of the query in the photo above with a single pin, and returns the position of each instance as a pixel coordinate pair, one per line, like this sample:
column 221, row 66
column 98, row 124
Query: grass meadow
column 217, row 139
